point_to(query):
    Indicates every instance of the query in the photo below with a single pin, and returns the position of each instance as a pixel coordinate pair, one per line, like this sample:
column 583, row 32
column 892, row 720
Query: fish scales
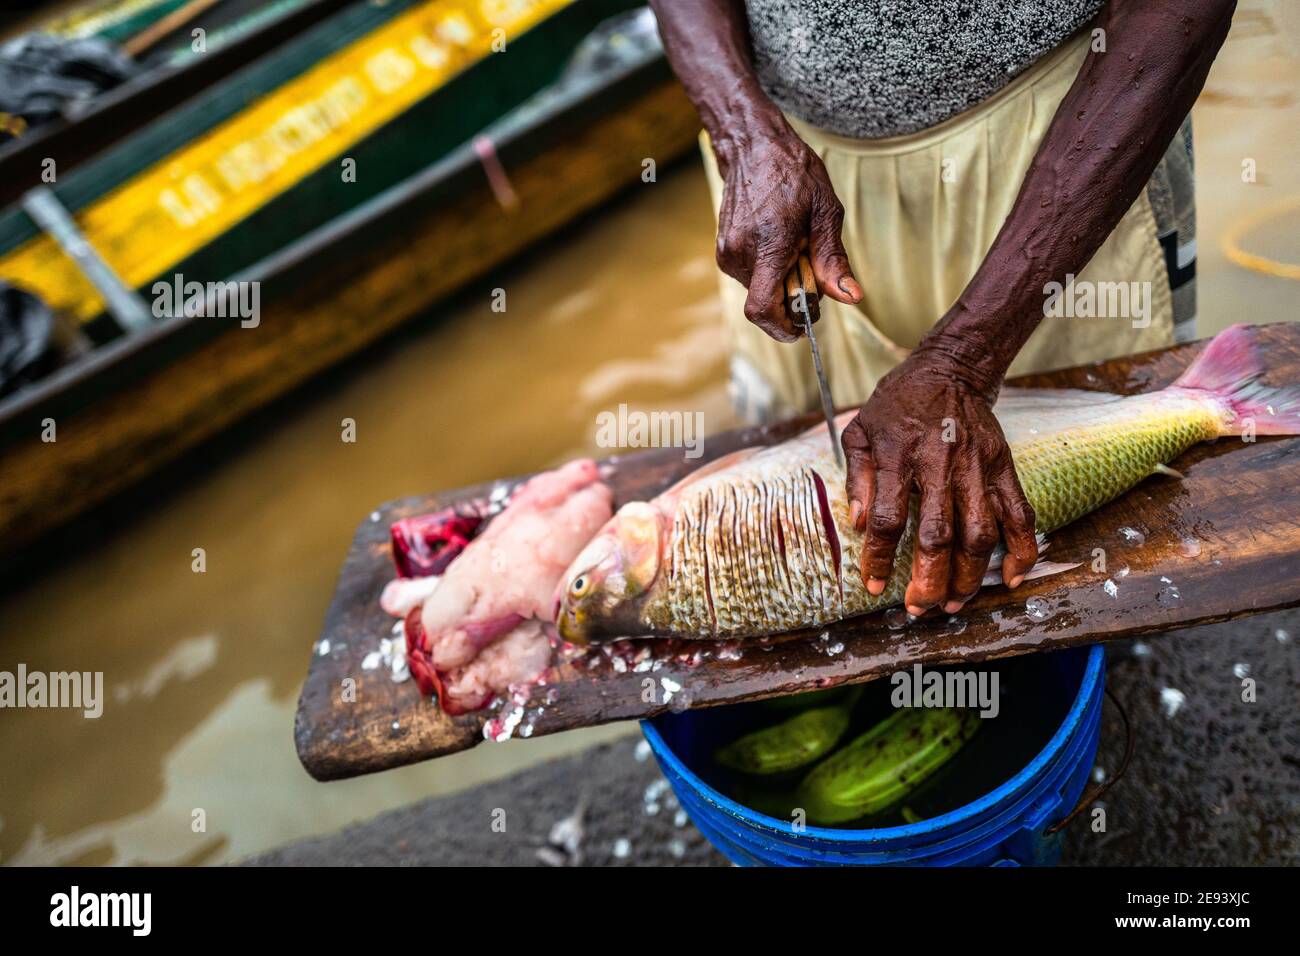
column 742, row 558
column 726, row 587
column 1106, row 451
column 778, row 597
column 750, row 528
column 748, row 545
column 804, row 589
column 759, row 533
column 788, row 543
column 1101, row 451
column 742, row 587
column 687, row 603
column 734, row 587
column 754, row 528
column 811, row 543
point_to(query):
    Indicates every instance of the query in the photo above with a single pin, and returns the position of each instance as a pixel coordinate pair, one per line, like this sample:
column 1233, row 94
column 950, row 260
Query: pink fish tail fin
column 1229, row 367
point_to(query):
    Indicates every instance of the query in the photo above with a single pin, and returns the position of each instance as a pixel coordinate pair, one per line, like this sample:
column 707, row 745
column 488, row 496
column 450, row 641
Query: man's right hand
column 778, row 199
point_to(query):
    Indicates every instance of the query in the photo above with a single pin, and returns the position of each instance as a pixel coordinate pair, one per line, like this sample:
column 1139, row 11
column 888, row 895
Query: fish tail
column 1229, row 367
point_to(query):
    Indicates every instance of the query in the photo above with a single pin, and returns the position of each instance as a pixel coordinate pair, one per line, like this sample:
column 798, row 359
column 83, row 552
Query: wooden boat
column 115, row 20
column 168, row 81
column 337, row 263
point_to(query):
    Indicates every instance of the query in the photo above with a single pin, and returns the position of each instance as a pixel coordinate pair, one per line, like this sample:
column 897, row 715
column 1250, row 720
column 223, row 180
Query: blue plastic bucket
column 1004, row 827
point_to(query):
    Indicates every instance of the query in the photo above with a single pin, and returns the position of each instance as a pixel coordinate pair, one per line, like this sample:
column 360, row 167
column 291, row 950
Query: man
column 949, row 167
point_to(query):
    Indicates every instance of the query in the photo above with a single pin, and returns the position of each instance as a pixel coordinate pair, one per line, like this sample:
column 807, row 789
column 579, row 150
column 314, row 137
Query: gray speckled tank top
column 875, row 68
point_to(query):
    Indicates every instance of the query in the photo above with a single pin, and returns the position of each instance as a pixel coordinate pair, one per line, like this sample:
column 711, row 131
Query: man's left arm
column 1106, row 138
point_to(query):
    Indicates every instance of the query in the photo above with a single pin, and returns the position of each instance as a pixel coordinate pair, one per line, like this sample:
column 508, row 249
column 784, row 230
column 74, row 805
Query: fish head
column 601, row 595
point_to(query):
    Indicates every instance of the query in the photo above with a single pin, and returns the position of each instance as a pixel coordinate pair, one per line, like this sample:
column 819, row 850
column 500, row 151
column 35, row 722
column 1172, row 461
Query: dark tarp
column 26, row 338
column 42, row 75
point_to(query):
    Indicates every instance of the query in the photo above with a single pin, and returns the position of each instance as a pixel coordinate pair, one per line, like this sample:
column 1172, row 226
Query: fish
column 759, row 542
column 483, row 624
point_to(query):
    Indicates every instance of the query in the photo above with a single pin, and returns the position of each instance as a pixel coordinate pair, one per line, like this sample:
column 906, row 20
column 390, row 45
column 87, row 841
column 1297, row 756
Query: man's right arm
column 777, row 196
column 707, row 42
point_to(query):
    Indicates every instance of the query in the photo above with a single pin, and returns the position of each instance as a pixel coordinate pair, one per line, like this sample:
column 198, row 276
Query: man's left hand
column 929, row 427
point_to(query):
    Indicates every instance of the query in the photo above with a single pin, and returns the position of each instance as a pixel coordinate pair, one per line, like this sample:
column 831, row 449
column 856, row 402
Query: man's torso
column 875, row 68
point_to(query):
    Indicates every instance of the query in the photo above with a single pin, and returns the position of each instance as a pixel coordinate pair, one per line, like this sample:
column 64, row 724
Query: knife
column 802, row 300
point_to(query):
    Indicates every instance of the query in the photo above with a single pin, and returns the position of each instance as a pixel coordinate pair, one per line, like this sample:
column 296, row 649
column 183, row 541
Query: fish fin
column 1159, row 469
column 1041, row 569
column 994, row 573
column 1229, row 367
column 1000, row 552
column 1045, row 569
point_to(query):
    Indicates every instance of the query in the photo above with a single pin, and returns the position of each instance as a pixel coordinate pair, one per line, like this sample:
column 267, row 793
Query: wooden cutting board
column 1222, row 542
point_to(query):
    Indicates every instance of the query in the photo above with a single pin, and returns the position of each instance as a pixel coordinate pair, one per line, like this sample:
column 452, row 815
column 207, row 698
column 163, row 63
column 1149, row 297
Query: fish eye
column 579, row 586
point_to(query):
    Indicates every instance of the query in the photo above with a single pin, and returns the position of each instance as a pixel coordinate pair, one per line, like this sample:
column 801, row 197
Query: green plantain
column 885, row 764
column 795, row 742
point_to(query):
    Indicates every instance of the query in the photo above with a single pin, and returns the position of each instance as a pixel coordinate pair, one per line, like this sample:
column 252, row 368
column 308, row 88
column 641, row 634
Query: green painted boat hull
column 142, row 399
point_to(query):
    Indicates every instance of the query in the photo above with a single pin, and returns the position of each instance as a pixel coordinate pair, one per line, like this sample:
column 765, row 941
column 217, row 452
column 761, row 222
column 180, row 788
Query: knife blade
column 802, row 296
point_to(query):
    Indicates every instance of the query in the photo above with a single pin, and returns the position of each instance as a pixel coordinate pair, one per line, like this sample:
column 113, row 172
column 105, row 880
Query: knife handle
column 800, row 278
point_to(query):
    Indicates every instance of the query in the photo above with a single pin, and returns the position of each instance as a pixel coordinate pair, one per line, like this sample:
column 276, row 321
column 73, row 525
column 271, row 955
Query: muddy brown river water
column 202, row 671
